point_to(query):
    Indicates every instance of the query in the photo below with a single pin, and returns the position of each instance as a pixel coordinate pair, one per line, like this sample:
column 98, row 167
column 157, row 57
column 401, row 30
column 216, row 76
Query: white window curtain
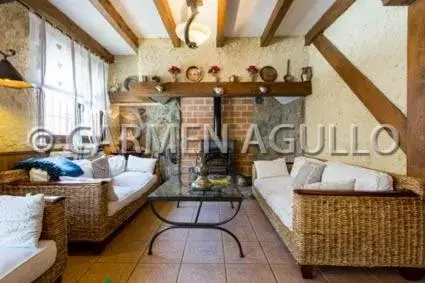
column 70, row 81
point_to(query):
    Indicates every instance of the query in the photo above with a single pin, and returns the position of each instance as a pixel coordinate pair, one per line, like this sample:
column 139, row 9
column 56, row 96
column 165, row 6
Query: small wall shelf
column 142, row 91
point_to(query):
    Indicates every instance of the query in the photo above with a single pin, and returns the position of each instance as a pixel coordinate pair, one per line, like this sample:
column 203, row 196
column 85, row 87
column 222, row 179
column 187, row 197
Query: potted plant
column 214, row 70
column 174, row 71
column 253, row 72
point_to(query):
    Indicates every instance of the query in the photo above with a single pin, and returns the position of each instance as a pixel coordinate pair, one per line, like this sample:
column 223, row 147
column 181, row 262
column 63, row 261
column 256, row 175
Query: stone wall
column 18, row 111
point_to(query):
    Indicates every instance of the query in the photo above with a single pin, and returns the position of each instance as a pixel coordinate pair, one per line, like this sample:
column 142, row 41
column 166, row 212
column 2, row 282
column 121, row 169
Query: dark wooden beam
column 416, row 90
column 279, row 13
column 167, row 18
column 243, row 89
column 375, row 101
column 329, row 17
column 6, row 1
column 221, row 22
column 110, row 13
column 397, row 2
column 58, row 19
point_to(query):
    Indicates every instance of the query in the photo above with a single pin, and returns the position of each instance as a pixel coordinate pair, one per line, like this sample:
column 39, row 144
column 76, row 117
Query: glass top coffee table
column 174, row 190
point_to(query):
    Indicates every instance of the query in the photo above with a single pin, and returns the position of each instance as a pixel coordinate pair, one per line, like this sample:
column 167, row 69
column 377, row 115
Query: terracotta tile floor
column 205, row 255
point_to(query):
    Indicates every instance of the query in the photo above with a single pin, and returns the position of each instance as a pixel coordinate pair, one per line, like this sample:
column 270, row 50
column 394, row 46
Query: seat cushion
column 366, row 179
column 129, row 186
column 26, row 264
column 278, row 194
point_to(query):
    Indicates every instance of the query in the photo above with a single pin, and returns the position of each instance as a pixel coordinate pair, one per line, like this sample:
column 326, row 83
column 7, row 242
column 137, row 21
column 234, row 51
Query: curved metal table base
column 196, row 225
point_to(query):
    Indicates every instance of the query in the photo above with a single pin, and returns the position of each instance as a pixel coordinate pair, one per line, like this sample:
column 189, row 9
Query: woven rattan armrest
column 354, row 193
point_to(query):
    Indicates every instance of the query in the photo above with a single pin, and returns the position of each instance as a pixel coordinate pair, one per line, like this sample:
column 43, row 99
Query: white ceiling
column 246, row 18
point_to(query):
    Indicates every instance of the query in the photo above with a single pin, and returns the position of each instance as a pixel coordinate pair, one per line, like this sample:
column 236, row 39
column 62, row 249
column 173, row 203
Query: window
column 71, row 82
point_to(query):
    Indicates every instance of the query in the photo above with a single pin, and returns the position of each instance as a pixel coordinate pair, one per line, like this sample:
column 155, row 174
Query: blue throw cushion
column 55, row 166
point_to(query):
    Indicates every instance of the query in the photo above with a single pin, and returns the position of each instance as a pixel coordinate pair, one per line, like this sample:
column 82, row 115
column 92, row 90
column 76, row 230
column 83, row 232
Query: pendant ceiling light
column 192, row 33
column 9, row 76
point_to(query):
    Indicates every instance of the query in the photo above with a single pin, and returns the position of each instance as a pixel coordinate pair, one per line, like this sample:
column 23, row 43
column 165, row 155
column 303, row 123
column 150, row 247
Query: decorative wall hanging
column 213, row 71
column 194, row 73
column 268, row 74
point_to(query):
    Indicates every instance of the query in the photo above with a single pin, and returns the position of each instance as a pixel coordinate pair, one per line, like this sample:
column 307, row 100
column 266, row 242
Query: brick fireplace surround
column 236, row 112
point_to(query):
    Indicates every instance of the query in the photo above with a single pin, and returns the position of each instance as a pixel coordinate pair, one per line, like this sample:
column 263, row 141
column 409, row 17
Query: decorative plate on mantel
column 268, row 74
column 194, row 73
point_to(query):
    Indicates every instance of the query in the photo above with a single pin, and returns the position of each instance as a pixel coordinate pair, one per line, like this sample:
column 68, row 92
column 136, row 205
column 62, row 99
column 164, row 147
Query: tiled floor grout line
column 261, row 245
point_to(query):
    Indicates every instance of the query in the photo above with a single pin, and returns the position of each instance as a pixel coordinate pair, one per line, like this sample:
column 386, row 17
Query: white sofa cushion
column 129, row 186
column 138, row 164
column 86, row 166
column 366, row 179
column 342, row 186
column 299, row 162
column 271, row 168
column 21, row 221
column 278, row 194
column 26, row 264
column 117, row 165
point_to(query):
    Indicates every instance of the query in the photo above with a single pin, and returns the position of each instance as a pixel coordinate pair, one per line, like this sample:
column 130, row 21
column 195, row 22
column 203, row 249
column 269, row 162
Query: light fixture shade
column 198, row 33
column 10, row 77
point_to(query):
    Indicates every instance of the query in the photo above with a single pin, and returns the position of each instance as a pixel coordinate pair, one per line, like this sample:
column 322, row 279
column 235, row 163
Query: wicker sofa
column 29, row 266
column 87, row 205
column 367, row 229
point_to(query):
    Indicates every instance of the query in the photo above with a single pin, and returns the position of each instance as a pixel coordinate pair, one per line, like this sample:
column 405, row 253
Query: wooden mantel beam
column 279, row 13
column 58, row 19
column 221, row 22
column 329, row 17
column 397, row 2
column 142, row 91
column 375, row 101
column 6, row 1
column 110, row 13
column 167, row 19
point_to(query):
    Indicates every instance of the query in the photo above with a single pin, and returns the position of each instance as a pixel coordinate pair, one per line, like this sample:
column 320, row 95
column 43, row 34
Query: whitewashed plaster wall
column 17, row 107
column 155, row 56
column 373, row 38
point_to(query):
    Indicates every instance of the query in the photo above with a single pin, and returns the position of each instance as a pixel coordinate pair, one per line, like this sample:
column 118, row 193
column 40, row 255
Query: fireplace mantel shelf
column 206, row 89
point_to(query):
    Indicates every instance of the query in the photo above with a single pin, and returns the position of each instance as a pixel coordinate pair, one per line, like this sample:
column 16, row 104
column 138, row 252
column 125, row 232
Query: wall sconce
column 218, row 91
column 9, row 76
column 159, row 89
column 263, row 91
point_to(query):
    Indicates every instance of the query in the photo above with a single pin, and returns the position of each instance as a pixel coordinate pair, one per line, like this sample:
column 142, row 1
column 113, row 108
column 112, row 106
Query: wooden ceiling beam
column 279, row 13
column 110, row 13
column 375, row 101
column 397, row 2
column 58, row 19
column 167, row 18
column 221, row 22
column 328, row 18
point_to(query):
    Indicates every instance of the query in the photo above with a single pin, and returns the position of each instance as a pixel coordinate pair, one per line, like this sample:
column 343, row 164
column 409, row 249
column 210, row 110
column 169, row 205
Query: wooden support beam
column 279, row 13
column 397, row 2
column 328, row 18
column 167, row 18
column 110, row 13
column 243, row 89
column 221, row 22
column 58, row 19
column 6, row 1
column 375, row 101
column 416, row 90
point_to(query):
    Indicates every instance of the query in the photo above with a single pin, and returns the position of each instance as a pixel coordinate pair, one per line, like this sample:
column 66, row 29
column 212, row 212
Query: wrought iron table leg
column 231, row 204
column 241, row 254
column 156, row 236
column 178, row 204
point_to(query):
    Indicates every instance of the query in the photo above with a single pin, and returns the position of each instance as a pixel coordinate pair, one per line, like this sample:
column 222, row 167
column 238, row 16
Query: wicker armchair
column 368, row 229
column 54, row 228
column 86, row 205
